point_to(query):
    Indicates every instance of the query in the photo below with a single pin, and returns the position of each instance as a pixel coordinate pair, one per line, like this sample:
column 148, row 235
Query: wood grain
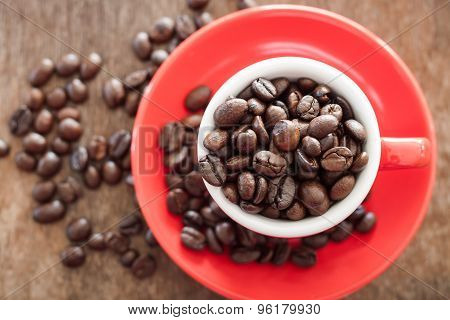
column 26, row 249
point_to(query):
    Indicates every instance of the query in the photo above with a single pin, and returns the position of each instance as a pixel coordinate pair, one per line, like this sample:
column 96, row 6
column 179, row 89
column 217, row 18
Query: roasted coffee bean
column 73, row 256
column 69, row 190
column 243, row 255
column 42, row 73
column 246, row 185
column 321, row 126
column 59, row 146
column 342, row 187
column 216, row 209
column 171, row 136
column 196, row 203
column 274, row 114
column 347, row 112
column 286, row 135
column 97, row 241
column 198, row 98
column 330, row 141
column 184, row 26
column 356, row 130
column 245, row 4
column 216, row 140
column 43, row 122
column 49, row 212
column 21, row 121
column 314, row 196
column 4, row 148
column 230, row 113
column 174, row 181
column 250, row 207
column 119, row 143
column 367, row 223
column 266, row 254
column 203, row 18
column 35, row 99
column 303, row 127
column 238, row 163
column 246, row 142
column 79, row 159
column 306, row 167
column 311, row 146
column 34, row 143
column 197, row 4
column 48, row 165
column 213, row 243
column 136, row 78
column 24, row 161
column 264, row 89
column 261, row 132
column 57, row 98
column 306, row 85
column 269, row 164
column 111, row 172
column 357, row 215
column 246, row 94
column 337, row 159
column 159, row 56
column 113, row 93
column 342, row 231
column 281, row 192
column 68, row 65
column 141, row 45
column 77, row 91
column 351, row 144
column 296, row 211
column 303, row 257
column 256, row 107
column 117, row 242
column 323, row 94
column 192, row 121
column 193, row 183
column 270, row 212
column 280, row 84
column 212, row 170
column 162, row 30
column 180, row 161
column 193, row 219
column 78, row 230
column 150, row 239
column 132, row 102
column 360, row 162
column 308, row 108
column 177, row 201
column 69, row 129
column 128, row 257
column 190, row 138
column 144, row 266
column 225, row 232
column 246, row 237
column 282, row 253
column 293, row 101
column 316, row 241
column 173, row 43
column 332, row 109
column 261, row 190
column 43, row 191
column 97, row 148
column 130, row 225
column 193, row 238
column 231, row 192
column 91, row 66
column 209, row 217
column 328, row 178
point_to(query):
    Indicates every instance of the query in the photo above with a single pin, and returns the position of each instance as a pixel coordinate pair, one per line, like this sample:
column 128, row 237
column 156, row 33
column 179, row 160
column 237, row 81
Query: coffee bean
column 136, row 78
column 78, row 230
column 311, row 146
column 357, row 215
column 269, row 164
column 330, row 141
column 192, row 121
column 69, row 129
column 79, row 159
column 342, row 231
column 260, row 130
column 246, row 185
column 261, row 190
column 306, row 167
column 171, row 136
column 321, row 126
column 264, row 89
column 43, row 191
column 111, row 172
column 43, row 122
column 132, row 102
column 49, row 212
column 174, row 181
column 197, row 4
column 256, row 106
column 356, row 130
column 42, row 73
column 281, row 253
column 274, row 114
column 286, row 135
column 68, row 65
column 281, row 192
column 351, row 144
column 245, row 4
column 34, row 143
column 198, row 98
column 69, row 190
column 117, row 242
column 130, row 225
column 250, row 207
column 246, row 142
column 238, row 163
column 97, row 242
column 119, row 143
column 162, row 30
column 230, row 190
column 20, row 121
column 91, row 66
column 48, row 165
column 73, row 256
column 159, row 56
column 193, row 219
column 246, row 94
column 128, row 257
column 184, row 26
column 293, row 101
column 150, row 239
column 316, row 241
column 177, row 201
column 180, row 161
column 24, row 161
column 56, row 99
column 212, row 170
column 306, row 85
column 144, row 266
column 59, row 146
column 270, row 212
column 203, row 18
column 323, row 94
column 266, row 254
column 225, row 232
column 337, row 159
column 367, row 223
column 244, row 255
column 308, row 108
column 77, row 91
column 342, row 187
column 360, row 162
column 193, row 238
column 230, row 112
column 113, row 93
column 332, row 109
column 212, row 241
column 35, row 99
column 97, row 148
column 347, row 112
column 280, row 84
column 296, row 211
column 314, row 196
column 210, row 218
column 4, row 148
column 303, row 257
column 142, row 46
column 193, row 183
column 216, row 140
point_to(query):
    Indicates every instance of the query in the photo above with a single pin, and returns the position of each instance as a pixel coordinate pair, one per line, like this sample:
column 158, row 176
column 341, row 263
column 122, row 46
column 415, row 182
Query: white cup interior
column 294, row 68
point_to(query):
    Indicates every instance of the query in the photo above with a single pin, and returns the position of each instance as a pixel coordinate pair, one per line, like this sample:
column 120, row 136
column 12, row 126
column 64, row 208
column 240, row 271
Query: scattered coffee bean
column 57, row 98
column 245, row 4
column 132, row 102
column 97, row 242
column 213, row 242
column 69, row 129
column 69, row 190
column 78, row 230
column 203, row 18
column 193, row 183
column 91, row 66
column 303, row 257
column 281, row 253
column 184, row 26
column 35, row 99
column 49, row 212
column 357, row 215
column 4, row 148
column 34, row 143
column 73, row 256
column 244, row 255
column 117, row 242
column 367, row 223
column 48, row 165
column 198, row 98
column 77, row 91
column 119, row 143
column 130, row 225
column 113, row 93
column 159, row 56
column 79, row 159
column 144, row 266
column 177, row 201
column 136, row 78
column 316, row 241
column 43, row 122
column 192, row 238
column 69, row 64
column 97, row 148
column 42, row 73
column 197, row 4
column 162, row 30
column 92, row 178
column 342, row 231
column 128, row 257
column 111, row 172
column 43, row 191
column 21, row 121
column 150, row 239
column 24, row 161
column 60, row 146
column 142, row 46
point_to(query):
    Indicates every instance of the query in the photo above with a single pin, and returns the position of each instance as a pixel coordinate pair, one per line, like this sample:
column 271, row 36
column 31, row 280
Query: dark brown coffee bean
column 347, row 112
column 246, row 94
column 256, row 107
column 190, row 138
column 281, row 254
column 68, row 65
column 132, row 102
column 212, row 170
column 250, row 207
column 332, row 109
column 293, row 101
column 274, row 114
column 69, row 190
column 43, row 122
column 238, row 163
column 269, row 164
column 266, row 254
column 303, row 126
column 209, row 217
column 193, row 238
column 113, row 93
column 356, row 130
column 69, row 129
column 34, row 143
column 216, row 140
column 196, row 203
column 119, row 143
column 323, row 94
column 281, row 192
column 20, row 121
column 225, row 232
column 203, row 18
column 177, row 201
column 270, row 212
column 4, row 148
column 42, row 73
column 360, row 162
column 296, row 211
column 91, row 66
column 231, row 192
column 78, row 230
column 97, row 242
column 246, row 237
column 184, row 26
column 48, row 165
column 246, row 185
column 213, row 243
column 230, row 113
column 308, row 108
column 141, row 45
column 144, row 266
column 246, row 142
column 128, row 257
column 260, row 130
column 73, row 256
column 77, row 91
column 314, row 196
column 117, row 242
column 337, row 159
column 306, row 167
column 330, row 141
column 198, row 98
column 261, row 190
column 136, row 78
column 264, row 89
column 280, row 84
column 150, row 239
column 306, row 85
column 342, row 231
column 57, row 98
column 197, row 4
column 321, row 126
column 316, row 241
column 111, row 172
column 24, row 161
column 311, row 146
column 180, row 161
column 193, row 183
column 342, row 188
column 35, row 99
column 130, row 225
column 79, row 159
column 162, row 30
column 351, row 144
column 97, row 148
column 286, row 135
column 59, row 146
column 192, row 121
column 303, row 257
column 49, row 212
column 159, row 56
column 357, row 215
column 244, row 255
column 43, row 191
column 171, row 136
column 174, row 181
column 193, row 219
column 367, row 223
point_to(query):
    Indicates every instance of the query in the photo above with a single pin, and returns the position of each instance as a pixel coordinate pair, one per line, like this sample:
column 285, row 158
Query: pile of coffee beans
column 285, row 149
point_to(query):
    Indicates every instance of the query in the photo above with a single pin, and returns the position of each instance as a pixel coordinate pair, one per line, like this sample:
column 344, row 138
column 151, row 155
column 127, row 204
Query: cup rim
column 296, row 67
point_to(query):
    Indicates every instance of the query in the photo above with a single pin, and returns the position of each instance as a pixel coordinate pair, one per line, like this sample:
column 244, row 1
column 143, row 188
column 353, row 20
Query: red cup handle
column 403, row 153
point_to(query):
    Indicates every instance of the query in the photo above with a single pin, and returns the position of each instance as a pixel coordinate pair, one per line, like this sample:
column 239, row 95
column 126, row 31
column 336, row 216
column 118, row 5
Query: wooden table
column 26, row 248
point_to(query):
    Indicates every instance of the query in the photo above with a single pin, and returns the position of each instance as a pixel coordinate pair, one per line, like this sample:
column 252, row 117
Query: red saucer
column 210, row 56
